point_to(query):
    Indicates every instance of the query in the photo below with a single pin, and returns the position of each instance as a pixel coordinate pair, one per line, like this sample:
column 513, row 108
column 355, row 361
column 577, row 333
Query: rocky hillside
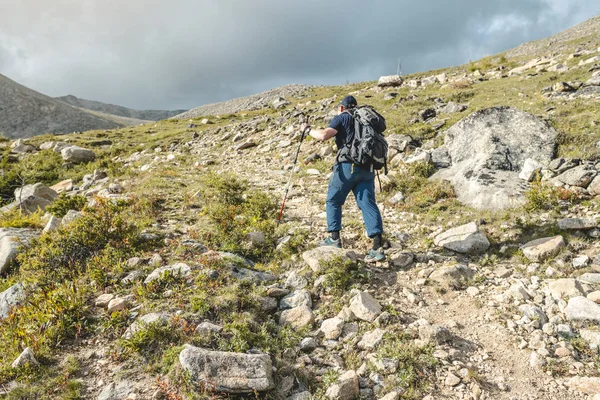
column 584, row 33
column 147, row 115
column 146, row 262
column 25, row 113
column 274, row 97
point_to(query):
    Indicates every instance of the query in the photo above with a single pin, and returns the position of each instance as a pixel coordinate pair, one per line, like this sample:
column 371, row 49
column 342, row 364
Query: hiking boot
column 331, row 242
column 375, row 256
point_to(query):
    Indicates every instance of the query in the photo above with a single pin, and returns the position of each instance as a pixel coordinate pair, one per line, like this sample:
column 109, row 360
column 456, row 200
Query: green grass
column 416, row 368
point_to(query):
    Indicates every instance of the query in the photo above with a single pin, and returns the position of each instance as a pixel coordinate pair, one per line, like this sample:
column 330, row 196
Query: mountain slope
column 584, row 34
column 247, row 103
column 25, row 113
column 149, row 115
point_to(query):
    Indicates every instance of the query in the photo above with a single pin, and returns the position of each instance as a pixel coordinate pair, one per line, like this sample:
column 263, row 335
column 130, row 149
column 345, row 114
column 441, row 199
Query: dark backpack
column 367, row 147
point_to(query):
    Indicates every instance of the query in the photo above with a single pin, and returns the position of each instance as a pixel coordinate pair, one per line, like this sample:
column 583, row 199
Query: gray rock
column 590, row 277
column 19, row 146
column 563, row 288
column 308, row 344
column 37, row 190
column 53, row 224
column 345, row 387
column 401, row 260
column 148, row 319
column 301, row 396
column 26, row 358
column 77, row 155
column 593, row 81
column 584, row 384
column 580, row 176
column 533, row 313
column 10, row 298
column 594, row 186
column 12, row 241
column 518, row 291
column 591, row 336
column 395, row 395
column 365, row 307
column 452, row 108
column 371, row 340
column 384, row 365
column 116, row 391
column 397, row 198
column 296, row 299
column 440, row 157
column 208, row 329
column 466, row 239
column 542, row 249
column 390, row 80
column 132, row 277
column 487, row 150
column 297, row 318
column 280, row 103
column 326, row 253
column 577, row 223
column 530, row 169
column 228, row 372
column 27, row 205
column 176, row 270
column 103, row 300
column 332, row 328
column 296, row 281
column 582, row 309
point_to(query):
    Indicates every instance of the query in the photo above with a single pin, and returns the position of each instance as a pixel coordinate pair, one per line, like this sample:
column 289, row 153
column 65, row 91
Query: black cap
column 349, row 102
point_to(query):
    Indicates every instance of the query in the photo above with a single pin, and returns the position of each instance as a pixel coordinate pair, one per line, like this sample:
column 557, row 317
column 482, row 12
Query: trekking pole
column 287, row 189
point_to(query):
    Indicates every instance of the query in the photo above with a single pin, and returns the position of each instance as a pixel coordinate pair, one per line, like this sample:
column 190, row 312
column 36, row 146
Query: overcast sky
column 185, row 53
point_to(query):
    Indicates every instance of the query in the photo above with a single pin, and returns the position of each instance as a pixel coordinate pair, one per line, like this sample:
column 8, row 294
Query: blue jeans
column 361, row 182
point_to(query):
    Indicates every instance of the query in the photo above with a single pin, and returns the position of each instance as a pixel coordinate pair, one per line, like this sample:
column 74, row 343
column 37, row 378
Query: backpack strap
column 348, row 142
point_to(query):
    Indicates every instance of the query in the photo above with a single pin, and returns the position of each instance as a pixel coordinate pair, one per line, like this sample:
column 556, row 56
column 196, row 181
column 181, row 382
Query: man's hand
column 305, row 127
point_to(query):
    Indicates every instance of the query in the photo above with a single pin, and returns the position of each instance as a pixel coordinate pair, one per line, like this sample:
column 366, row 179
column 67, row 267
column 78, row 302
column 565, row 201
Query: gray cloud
column 184, row 53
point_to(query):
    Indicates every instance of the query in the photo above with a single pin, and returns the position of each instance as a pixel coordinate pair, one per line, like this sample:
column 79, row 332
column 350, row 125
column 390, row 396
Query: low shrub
column 61, row 206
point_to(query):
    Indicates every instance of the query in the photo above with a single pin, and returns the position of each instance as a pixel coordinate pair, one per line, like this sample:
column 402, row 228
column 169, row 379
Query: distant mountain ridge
column 25, row 113
column 149, row 115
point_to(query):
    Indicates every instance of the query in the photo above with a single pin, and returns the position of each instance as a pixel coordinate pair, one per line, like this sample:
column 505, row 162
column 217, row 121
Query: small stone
column 296, row 281
column 562, row 352
column 594, row 296
column 580, row 262
column 472, row 291
column 582, row 309
column 371, row 340
column 26, row 357
column 365, row 307
column 332, row 328
column 465, row 239
column 297, row 318
column 296, row 299
column 542, row 249
column 451, row 380
column 208, row 329
column 117, row 305
column 308, row 344
column 103, row 300
column 345, row 387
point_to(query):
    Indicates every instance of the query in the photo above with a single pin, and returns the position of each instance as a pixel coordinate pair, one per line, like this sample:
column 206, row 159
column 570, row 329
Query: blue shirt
column 344, row 125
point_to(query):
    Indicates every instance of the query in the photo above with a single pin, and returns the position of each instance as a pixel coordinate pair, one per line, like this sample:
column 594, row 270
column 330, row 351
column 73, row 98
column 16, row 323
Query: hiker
column 346, row 177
